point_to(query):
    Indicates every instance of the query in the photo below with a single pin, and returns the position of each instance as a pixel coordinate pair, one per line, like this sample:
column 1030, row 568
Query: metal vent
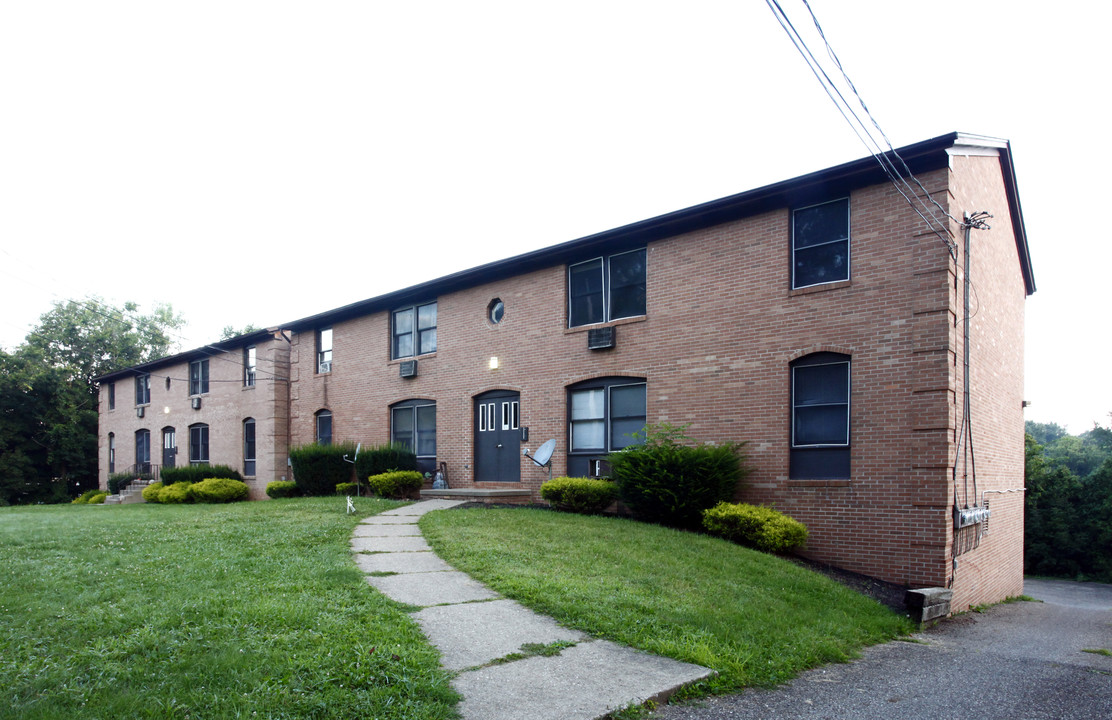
column 325, row 367
column 600, row 338
column 408, row 369
column 599, row 468
column 196, row 403
column 140, row 412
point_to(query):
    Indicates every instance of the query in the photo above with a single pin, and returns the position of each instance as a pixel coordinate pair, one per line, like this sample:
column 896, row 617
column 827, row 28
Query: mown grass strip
column 245, row 610
column 755, row 618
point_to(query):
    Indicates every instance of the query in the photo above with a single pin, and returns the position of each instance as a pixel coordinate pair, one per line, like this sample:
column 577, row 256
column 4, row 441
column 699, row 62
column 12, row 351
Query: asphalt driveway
column 1023, row 660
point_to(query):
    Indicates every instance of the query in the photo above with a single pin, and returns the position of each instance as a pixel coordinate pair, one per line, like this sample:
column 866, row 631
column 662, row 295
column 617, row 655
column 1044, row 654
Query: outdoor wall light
column 493, row 363
column 165, row 409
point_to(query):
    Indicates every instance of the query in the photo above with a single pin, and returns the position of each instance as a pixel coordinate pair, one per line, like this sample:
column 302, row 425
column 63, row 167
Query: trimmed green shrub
column 317, row 469
column 384, row 458
column 281, row 489
column 398, row 484
column 87, row 497
column 755, row 526
column 668, row 482
column 99, row 498
column 175, row 494
column 218, row 490
column 152, row 492
column 197, row 473
column 348, row 488
column 587, row 496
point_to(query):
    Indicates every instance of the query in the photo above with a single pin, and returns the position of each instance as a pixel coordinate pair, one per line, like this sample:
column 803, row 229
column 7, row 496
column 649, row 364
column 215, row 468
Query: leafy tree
column 230, row 331
column 1052, row 544
column 48, row 400
column 1045, row 433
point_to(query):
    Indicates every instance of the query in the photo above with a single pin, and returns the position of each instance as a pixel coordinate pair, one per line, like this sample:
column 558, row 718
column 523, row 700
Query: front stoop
column 484, row 495
column 927, row 604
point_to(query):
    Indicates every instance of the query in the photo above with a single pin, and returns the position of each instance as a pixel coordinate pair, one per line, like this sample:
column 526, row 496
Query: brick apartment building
column 816, row 319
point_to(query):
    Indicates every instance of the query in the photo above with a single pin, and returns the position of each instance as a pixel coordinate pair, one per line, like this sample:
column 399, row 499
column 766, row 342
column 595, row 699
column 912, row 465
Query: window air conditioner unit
column 600, row 338
column 599, row 468
column 408, row 369
column 196, row 403
column 140, row 412
column 325, row 367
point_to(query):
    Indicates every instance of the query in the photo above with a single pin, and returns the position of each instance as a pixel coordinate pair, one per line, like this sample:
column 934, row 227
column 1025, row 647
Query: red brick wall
column 224, row 408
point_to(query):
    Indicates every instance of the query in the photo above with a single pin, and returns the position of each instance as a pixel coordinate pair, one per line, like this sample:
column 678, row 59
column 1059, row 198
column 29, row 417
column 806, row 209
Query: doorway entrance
column 498, row 436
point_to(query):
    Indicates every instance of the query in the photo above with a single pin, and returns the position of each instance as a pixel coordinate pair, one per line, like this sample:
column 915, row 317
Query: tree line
column 48, row 400
column 1068, row 531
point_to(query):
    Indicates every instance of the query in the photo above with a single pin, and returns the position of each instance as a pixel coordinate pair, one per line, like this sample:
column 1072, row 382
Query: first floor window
column 604, row 415
column 198, row 444
column 199, row 377
column 324, row 427
column 111, row 453
column 249, row 362
column 324, row 350
column 820, row 244
column 413, row 424
column 820, row 437
column 249, row 447
column 606, row 288
column 143, row 451
column 414, row 331
column 143, row 390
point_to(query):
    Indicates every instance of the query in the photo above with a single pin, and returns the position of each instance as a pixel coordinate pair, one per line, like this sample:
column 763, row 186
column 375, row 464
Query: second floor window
column 111, row 396
column 606, row 288
column 414, row 330
column 249, row 366
column 199, row 377
column 324, row 350
column 143, row 390
column 820, row 244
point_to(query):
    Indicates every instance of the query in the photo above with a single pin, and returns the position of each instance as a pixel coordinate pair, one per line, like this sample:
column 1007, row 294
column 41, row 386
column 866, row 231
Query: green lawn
column 754, row 618
column 256, row 610
column 203, row 611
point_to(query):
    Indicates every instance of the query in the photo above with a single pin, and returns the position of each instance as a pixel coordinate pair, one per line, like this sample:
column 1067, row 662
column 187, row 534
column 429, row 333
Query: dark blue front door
column 498, row 437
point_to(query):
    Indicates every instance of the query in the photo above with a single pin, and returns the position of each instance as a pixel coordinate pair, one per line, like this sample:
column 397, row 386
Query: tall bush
column 668, row 481
column 384, row 458
column 317, row 469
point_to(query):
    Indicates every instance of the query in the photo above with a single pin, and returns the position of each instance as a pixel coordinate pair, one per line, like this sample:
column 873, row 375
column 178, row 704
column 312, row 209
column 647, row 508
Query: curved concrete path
column 512, row 662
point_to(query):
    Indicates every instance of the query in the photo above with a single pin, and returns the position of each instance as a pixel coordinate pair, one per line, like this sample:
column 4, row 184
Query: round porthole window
column 495, row 311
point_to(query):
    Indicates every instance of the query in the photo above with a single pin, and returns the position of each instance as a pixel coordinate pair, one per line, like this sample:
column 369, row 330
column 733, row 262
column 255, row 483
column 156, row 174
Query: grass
column 250, row 610
column 1098, row 651
column 754, row 618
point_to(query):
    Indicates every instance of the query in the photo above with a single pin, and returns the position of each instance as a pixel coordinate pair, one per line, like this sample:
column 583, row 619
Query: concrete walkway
column 473, row 627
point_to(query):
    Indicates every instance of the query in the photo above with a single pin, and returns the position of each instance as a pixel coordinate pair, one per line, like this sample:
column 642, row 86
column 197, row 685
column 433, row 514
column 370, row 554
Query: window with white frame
column 111, row 453
column 249, row 447
column 143, row 389
column 324, row 427
column 413, row 330
column 249, row 366
column 820, row 422
column 199, row 377
column 324, row 350
column 820, row 244
column 606, row 288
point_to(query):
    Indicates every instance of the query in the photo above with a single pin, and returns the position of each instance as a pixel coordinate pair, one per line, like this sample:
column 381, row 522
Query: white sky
column 259, row 162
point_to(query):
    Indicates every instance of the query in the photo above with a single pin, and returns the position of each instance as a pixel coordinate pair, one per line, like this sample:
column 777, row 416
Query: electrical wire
column 883, row 157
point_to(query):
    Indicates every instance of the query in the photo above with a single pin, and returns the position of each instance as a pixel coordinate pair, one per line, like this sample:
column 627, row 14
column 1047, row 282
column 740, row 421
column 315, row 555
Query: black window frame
column 605, row 288
column 324, row 349
column 579, row 455
column 422, row 338
column 418, row 439
column 319, row 416
column 142, row 389
column 249, row 448
column 250, row 365
column 111, row 396
column 198, row 377
column 828, row 458
column 811, row 248
column 199, row 444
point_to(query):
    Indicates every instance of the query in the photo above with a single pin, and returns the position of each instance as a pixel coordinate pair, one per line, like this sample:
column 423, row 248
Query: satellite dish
column 544, row 453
